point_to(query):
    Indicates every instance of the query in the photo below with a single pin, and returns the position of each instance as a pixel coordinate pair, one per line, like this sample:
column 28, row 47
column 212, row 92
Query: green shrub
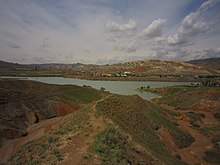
column 51, row 139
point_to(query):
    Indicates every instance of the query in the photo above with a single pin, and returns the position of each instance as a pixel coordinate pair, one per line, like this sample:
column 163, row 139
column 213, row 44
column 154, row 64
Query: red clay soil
column 35, row 131
column 194, row 153
column 64, row 108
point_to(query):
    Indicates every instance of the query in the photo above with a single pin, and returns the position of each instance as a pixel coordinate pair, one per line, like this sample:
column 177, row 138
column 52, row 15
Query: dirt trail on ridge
column 79, row 146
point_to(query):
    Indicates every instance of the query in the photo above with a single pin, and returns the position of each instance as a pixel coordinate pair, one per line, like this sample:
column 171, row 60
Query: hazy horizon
column 108, row 31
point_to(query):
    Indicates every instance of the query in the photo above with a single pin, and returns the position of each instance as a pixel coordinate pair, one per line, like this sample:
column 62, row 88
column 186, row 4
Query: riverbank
column 139, row 79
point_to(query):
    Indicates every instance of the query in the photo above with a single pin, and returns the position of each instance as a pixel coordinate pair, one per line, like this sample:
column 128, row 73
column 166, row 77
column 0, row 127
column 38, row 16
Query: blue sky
column 108, row 31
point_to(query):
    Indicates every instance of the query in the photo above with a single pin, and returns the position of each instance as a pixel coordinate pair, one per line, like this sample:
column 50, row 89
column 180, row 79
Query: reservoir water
column 118, row 87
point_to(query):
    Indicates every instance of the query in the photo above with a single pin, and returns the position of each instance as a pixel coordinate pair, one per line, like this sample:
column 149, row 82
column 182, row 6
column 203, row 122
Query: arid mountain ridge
column 198, row 67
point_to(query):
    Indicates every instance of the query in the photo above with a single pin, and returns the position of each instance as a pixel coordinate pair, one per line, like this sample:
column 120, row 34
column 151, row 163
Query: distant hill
column 156, row 67
column 144, row 67
column 213, row 63
column 9, row 65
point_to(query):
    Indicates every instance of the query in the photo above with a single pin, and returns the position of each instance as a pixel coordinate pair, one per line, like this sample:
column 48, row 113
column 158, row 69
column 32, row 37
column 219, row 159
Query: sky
column 108, row 31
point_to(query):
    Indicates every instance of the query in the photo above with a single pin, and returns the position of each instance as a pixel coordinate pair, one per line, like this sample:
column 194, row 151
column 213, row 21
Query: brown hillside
column 156, row 67
column 23, row 103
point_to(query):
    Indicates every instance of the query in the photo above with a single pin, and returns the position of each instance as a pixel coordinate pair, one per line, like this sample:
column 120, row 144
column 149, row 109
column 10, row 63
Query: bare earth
column 78, row 147
column 194, row 153
column 35, row 131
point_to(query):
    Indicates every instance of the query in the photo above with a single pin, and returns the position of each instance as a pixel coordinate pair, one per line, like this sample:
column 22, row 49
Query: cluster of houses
column 210, row 83
column 125, row 74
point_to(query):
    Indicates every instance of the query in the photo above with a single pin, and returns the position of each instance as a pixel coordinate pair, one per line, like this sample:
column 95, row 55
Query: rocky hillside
column 211, row 63
column 102, row 128
column 24, row 103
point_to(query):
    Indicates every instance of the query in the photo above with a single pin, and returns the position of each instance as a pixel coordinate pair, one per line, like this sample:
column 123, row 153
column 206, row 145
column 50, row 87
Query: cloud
column 112, row 26
column 208, row 4
column 13, row 45
column 44, row 45
column 206, row 53
column 153, row 30
column 177, row 39
column 192, row 25
column 45, row 31
column 111, row 39
column 129, row 47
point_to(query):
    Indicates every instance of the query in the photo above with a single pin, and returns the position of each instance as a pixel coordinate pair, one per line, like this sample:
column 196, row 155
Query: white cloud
column 208, row 4
column 153, row 30
column 201, row 54
column 192, row 25
column 112, row 26
column 41, row 31
column 13, row 45
column 128, row 47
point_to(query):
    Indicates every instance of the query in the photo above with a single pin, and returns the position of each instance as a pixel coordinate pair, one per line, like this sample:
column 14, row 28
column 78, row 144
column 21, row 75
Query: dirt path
column 194, row 153
column 35, row 131
column 79, row 146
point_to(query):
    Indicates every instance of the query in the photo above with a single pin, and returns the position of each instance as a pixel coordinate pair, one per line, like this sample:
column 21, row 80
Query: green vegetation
column 216, row 141
column 80, row 94
column 217, row 115
column 212, row 156
column 209, row 130
column 47, row 150
column 27, row 102
column 142, row 119
column 113, row 147
column 57, row 153
column 179, row 97
column 106, row 145
column 102, row 89
column 51, row 139
column 184, row 97
column 195, row 118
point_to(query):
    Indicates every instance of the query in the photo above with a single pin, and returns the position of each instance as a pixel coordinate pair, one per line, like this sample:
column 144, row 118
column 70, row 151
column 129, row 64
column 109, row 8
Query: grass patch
column 217, row 115
column 82, row 94
column 60, row 132
column 195, row 118
column 142, row 119
column 48, row 148
column 209, row 130
column 113, row 148
column 184, row 97
column 212, row 156
column 216, row 141
column 52, row 139
column 58, row 155
column 106, row 146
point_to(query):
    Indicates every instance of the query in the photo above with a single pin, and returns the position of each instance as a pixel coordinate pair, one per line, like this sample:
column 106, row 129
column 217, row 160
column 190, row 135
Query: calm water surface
column 118, row 87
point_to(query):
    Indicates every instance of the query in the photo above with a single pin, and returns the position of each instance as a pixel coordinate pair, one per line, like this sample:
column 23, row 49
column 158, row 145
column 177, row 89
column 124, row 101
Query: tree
column 102, row 89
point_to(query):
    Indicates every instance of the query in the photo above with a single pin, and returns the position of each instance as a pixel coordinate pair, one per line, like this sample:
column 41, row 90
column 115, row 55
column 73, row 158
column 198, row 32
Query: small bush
column 51, row 139
column 58, row 155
